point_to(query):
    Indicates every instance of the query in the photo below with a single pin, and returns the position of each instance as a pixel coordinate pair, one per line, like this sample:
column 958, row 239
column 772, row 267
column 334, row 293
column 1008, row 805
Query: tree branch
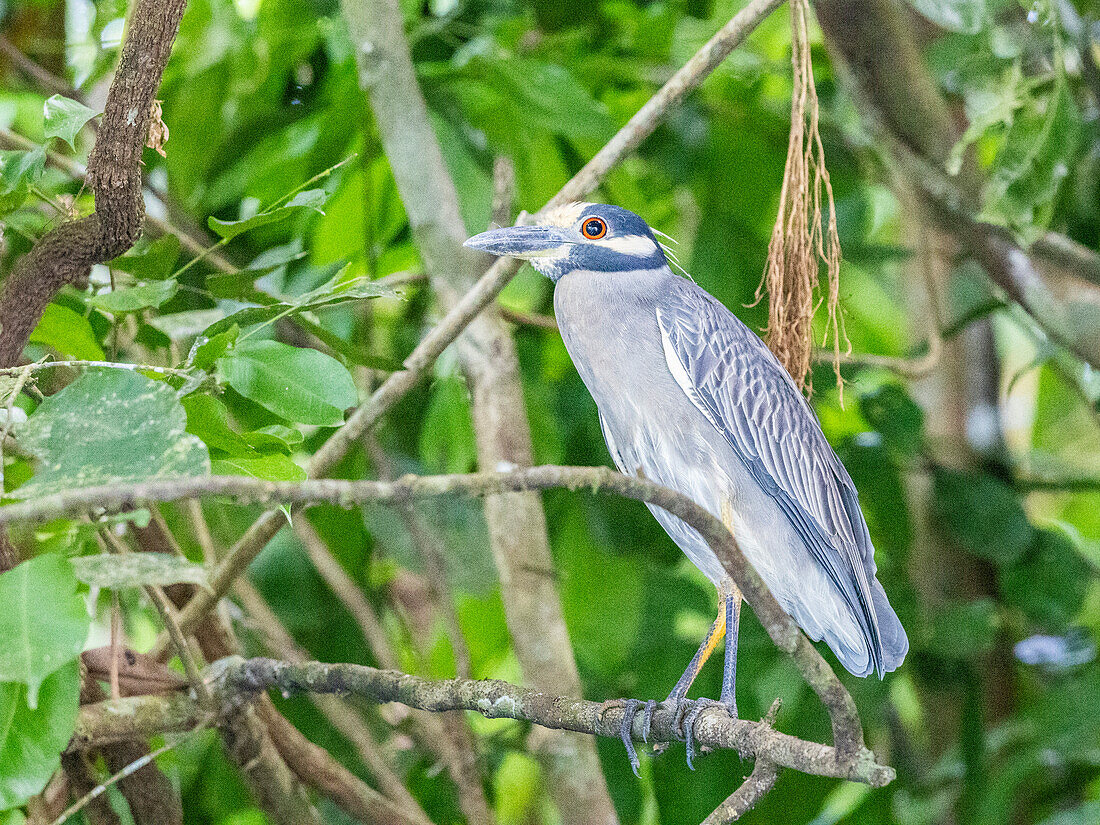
column 230, row 679
column 66, row 254
column 752, row 790
column 847, row 732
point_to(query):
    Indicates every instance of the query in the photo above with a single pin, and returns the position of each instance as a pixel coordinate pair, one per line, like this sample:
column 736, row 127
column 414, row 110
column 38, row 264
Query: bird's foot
column 626, row 727
column 687, row 713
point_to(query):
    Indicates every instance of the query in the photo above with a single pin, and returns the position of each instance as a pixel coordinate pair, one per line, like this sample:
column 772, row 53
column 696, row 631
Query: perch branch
column 230, row 679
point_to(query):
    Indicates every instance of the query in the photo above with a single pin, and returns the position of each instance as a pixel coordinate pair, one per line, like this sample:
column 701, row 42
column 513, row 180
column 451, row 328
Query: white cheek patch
column 639, row 245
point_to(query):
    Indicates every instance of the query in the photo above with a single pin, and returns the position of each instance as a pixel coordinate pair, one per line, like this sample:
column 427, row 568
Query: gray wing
column 736, row 382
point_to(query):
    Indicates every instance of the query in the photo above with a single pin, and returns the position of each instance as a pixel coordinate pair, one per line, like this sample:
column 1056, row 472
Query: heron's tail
column 895, row 644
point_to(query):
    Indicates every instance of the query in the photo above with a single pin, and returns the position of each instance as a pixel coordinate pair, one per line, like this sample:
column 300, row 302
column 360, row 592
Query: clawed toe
column 630, row 710
column 687, row 712
column 647, row 719
column 685, row 715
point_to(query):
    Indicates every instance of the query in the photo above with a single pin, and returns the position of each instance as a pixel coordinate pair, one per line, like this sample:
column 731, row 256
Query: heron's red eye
column 594, row 229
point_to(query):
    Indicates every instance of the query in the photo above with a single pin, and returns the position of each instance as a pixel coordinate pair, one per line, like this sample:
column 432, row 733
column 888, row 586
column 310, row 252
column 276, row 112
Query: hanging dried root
column 798, row 239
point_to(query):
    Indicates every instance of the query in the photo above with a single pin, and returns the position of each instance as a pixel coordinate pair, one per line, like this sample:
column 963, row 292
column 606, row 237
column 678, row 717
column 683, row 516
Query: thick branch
column 231, row 678
column 847, row 733
column 66, row 254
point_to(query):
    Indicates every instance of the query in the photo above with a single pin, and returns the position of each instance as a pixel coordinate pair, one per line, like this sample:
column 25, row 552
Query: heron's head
column 593, row 237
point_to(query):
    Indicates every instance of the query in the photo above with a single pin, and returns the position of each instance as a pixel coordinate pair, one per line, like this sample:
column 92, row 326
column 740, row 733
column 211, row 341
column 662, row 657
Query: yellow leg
column 710, row 643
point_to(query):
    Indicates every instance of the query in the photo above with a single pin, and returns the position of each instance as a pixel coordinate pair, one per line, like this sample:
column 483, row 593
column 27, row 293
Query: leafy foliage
column 274, row 166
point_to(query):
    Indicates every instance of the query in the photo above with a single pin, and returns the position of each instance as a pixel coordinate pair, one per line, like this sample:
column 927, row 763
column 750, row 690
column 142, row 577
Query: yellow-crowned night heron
column 690, row 398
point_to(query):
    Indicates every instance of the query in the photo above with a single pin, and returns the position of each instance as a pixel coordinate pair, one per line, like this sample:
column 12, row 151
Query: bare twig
column 758, row 784
column 167, row 615
column 40, row 75
column 101, row 788
column 343, row 718
column 847, row 733
column 38, row 366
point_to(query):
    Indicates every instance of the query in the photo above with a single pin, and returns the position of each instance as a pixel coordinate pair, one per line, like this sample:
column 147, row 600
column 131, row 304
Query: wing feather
column 736, row 382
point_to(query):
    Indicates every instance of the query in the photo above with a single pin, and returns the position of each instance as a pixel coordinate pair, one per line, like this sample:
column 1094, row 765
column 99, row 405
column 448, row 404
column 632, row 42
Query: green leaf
column 1087, row 813
column 331, row 294
column 134, row 298
column 296, row 383
column 31, row 744
column 274, row 437
column 208, row 418
column 137, row 570
column 65, row 118
column 109, row 426
column 310, row 199
column 207, row 350
column 43, row 623
column 983, row 514
column 1037, row 155
column 152, row 261
column 964, row 629
column 549, row 97
column 68, row 333
column 447, row 441
column 271, row 467
column 19, row 171
column 1049, row 583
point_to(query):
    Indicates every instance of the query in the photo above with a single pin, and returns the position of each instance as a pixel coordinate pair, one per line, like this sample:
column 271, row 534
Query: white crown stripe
column 629, row 245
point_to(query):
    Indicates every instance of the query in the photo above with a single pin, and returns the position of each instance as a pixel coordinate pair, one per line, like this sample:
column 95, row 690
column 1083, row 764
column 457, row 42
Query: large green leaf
column 269, row 467
column 64, row 118
column 68, row 333
column 891, row 411
column 19, row 171
column 33, row 737
column 109, row 426
column 154, row 260
column 299, row 384
column 1049, row 583
column 208, row 418
column 43, row 623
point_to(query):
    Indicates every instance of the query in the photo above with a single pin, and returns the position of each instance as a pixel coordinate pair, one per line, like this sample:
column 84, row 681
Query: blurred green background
column 980, row 479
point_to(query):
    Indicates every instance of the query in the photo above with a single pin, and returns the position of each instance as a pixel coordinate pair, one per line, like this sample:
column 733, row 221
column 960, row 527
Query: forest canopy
column 260, row 410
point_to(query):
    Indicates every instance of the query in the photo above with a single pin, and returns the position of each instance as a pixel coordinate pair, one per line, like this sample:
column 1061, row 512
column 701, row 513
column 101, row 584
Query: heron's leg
column 729, row 671
column 731, row 614
column 713, row 637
